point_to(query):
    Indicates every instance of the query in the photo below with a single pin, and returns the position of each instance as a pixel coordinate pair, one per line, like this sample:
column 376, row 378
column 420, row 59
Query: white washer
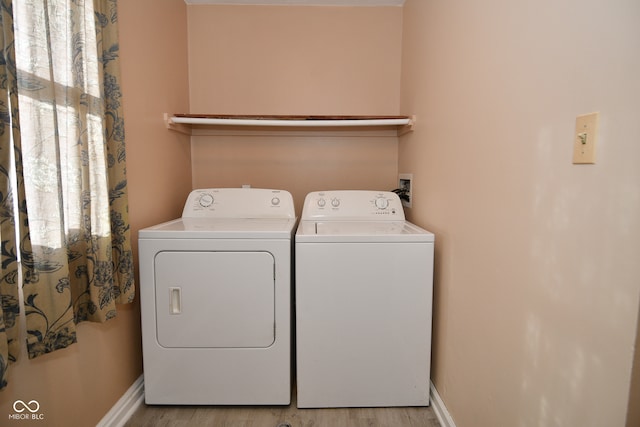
column 364, row 279
column 215, row 296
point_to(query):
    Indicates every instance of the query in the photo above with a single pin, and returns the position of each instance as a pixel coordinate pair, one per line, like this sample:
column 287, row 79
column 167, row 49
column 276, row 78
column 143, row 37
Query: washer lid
column 361, row 231
column 228, row 228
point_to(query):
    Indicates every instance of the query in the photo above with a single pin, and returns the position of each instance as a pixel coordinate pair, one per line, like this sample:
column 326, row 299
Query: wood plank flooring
column 280, row 416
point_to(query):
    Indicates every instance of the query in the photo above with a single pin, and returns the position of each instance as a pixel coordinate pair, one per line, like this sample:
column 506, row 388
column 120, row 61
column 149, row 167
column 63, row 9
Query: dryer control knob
column 322, row 202
column 335, row 202
column 275, row 201
column 206, row 200
column 382, row 203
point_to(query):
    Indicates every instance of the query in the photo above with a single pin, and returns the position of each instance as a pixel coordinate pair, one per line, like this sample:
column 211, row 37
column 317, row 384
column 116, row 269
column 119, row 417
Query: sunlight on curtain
column 79, row 264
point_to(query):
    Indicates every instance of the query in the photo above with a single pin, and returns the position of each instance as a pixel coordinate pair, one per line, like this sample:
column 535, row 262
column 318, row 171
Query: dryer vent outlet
column 405, row 189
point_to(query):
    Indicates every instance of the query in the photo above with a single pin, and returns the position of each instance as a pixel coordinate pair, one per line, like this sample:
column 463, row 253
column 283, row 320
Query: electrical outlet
column 406, row 189
column 584, row 140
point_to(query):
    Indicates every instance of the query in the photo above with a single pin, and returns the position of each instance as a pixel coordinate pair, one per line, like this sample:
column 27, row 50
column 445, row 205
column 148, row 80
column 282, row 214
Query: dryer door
column 215, row 299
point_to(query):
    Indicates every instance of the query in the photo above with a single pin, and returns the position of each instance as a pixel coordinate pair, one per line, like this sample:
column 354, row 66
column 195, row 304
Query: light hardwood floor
column 280, row 416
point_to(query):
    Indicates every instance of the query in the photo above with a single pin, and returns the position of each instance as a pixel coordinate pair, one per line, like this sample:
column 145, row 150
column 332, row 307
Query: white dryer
column 363, row 294
column 215, row 296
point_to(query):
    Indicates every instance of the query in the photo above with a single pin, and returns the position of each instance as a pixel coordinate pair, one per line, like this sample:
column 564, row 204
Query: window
column 61, row 100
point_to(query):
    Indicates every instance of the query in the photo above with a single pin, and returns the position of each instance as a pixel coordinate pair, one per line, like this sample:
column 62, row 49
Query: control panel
column 239, row 203
column 353, row 205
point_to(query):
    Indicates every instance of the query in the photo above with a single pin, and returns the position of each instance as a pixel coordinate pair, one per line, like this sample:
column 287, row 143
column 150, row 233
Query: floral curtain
column 78, row 265
column 10, row 178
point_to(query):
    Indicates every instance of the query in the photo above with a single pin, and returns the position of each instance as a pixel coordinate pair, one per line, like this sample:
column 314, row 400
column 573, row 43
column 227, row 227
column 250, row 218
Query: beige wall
column 155, row 74
column 536, row 296
column 295, row 60
column 633, row 413
column 78, row 385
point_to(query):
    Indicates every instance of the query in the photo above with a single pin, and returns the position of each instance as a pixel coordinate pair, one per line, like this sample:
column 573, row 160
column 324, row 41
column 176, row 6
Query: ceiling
column 303, row 2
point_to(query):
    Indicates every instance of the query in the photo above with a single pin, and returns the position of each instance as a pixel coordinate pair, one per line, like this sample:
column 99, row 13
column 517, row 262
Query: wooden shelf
column 183, row 122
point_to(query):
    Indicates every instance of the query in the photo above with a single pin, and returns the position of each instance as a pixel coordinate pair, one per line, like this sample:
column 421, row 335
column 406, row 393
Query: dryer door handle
column 175, row 300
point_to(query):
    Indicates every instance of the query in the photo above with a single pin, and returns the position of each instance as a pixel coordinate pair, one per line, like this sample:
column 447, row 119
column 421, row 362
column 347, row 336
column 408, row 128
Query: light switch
column 584, row 140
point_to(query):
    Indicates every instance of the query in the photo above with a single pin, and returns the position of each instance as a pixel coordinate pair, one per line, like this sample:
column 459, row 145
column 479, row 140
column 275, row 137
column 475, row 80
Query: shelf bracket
column 177, row 127
column 410, row 127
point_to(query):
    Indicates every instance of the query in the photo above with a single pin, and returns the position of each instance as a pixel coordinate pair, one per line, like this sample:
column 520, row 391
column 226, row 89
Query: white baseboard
column 134, row 397
column 440, row 409
column 125, row 406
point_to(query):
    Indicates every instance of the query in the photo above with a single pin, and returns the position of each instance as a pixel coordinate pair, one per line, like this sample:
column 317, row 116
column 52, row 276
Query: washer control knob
column 275, row 201
column 321, row 203
column 206, row 200
column 382, row 203
column 335, row 202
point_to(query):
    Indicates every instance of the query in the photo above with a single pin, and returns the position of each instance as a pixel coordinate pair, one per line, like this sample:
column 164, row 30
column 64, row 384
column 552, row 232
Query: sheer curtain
column 75, row 249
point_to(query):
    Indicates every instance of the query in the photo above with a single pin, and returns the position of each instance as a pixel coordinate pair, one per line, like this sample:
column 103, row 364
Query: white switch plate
column 584, row 139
